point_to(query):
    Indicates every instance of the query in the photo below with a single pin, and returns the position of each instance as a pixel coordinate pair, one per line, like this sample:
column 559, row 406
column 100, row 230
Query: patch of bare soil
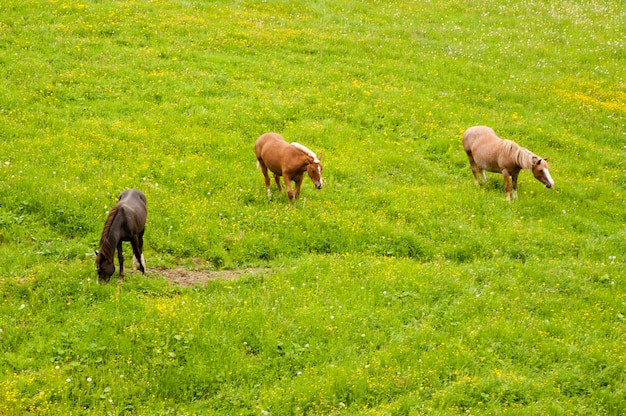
column 185, row 277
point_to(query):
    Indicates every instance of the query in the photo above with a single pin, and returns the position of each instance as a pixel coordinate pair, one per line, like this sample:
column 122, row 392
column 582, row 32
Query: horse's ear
column 319, row 156
column 546, row 158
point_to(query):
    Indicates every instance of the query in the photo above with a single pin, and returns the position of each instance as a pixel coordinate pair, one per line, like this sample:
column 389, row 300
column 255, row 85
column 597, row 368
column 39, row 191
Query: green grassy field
column 400, row 288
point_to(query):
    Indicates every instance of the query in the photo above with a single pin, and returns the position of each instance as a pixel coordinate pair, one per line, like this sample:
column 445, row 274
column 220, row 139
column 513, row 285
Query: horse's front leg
column 298, row 186
column 515, row 175
column 507, row 185
column 120, row 257
column 290, row 192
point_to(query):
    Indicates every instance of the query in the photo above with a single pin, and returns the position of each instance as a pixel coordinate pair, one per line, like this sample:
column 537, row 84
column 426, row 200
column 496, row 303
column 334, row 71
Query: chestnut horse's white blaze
column 315, row 161
column 546, row 172
column 487, row 152
column 290, row 161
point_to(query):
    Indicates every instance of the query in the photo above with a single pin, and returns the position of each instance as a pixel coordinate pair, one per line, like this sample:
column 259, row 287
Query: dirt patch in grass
column 185, row 277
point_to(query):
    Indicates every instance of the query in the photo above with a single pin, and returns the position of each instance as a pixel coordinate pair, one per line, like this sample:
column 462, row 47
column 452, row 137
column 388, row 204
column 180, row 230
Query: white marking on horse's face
column 550, row 182
column 543, row 176
column 315, row 173
column 319, row 169
column 541, row 172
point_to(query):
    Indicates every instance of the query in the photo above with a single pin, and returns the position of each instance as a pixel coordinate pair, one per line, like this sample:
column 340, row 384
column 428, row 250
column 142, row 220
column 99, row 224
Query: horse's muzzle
column 549, row 185
column 319, row 186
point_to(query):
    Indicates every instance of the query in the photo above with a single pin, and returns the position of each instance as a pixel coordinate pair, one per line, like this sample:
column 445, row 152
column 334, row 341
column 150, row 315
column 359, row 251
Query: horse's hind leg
column 266, row 177
column 290, row 193
column 137, row 244
column 143, row 260
column 277, row 180
column 507, row 185
column 120, row 257
column 475, row 169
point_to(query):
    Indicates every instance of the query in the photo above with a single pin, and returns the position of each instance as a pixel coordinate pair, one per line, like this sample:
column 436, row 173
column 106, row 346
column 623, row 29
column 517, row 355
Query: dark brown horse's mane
column 106, row 249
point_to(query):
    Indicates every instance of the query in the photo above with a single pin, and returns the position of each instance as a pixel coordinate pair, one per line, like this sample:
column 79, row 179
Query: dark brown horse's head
column 314, row 169
column 105, row 267
column 541, row 171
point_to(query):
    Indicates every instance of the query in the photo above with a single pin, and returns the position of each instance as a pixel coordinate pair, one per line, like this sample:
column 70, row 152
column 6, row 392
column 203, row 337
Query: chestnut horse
column 126, row 222
column 289, row 161
column 487, row 152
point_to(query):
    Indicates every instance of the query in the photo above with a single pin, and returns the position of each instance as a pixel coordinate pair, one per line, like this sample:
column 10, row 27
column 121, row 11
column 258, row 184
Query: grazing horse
column 487, row 152
column 289, row 161
column 126, row 222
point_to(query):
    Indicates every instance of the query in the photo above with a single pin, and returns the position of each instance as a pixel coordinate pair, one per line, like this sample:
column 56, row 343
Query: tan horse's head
column 314, row 169
column 541, row 171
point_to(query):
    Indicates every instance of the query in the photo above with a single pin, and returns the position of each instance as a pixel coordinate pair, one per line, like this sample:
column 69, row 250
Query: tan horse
column 289, row 161
column 487, row 152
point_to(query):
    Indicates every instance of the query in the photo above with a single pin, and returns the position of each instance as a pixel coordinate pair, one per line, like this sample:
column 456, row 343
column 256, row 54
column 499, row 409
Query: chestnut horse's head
column 315, row 172
column 314, row 168
column 541, row 171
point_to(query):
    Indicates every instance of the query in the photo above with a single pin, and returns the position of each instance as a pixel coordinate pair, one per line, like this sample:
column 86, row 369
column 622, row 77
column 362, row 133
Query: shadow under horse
column 126, row 222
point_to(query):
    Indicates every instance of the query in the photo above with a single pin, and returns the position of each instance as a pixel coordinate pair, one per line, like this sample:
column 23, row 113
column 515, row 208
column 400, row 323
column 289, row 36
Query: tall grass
column 400, row 288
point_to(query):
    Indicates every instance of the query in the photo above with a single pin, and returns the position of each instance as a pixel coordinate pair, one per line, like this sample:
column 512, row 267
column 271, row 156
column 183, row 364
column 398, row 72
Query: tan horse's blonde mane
column 306, row 150
column 522, row 156
column 106, row 249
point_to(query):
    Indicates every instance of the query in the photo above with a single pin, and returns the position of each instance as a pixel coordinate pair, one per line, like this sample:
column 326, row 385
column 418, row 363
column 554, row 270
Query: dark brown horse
column 289, row 161
column 126, row 222
column 487, row 152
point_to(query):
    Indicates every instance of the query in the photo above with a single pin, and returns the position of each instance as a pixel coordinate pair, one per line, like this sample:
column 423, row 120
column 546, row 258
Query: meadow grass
column 398, row 289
